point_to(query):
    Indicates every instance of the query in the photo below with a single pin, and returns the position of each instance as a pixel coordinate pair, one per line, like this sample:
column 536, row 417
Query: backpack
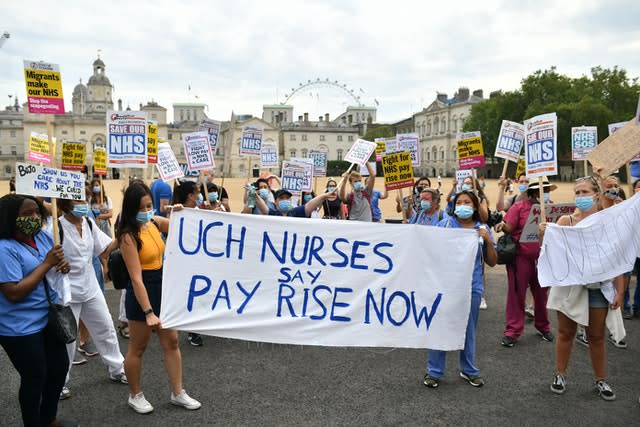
column 118, row 272
column 61, row 230
column 365, row 194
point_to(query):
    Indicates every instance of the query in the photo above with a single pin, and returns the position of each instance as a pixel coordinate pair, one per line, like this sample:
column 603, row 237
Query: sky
column 239, row 55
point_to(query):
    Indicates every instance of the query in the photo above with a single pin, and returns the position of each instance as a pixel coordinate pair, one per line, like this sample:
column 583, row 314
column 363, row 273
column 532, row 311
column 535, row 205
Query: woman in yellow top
column 142, row 249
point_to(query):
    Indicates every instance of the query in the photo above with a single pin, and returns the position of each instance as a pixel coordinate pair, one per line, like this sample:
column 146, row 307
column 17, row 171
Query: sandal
column 123, row 330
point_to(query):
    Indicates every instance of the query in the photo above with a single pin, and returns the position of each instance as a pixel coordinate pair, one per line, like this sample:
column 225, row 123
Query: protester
column 523, row 272
column 583, row 304
column 466, row 215
column 468, row 185
column 12, row 185
column 376, row 213
column 359, row 199
column 429, row 212
column 332, row 205
column 101, row 207
column 260, row 189
column 223, row 196
column 411, row 203
column 27, row 255
column 633, row 311
column 307, row 196
column 213, row 194
column 523, row 186
column 162, row 195
column 142, row 249
column 81, row 240
column 283, row 206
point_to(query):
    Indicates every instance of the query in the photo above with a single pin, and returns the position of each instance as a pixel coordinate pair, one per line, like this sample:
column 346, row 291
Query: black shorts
column 152, row 280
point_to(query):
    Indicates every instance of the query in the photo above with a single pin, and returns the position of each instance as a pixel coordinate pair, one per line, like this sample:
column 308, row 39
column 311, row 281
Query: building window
column 434, row 154
column 182, row 151
column 292, row 153
column 64, row 132
column 322, row 138
column 436, row 125
column 429, row 127
column 8, row 170
column 350, row 139
column 443, row 128
column 0, row 150
column 441, row 154
column 305, row 153
column 154, row 116
column 304, row 136
column 339, row 153
column 14, row 151
column 339, row 138
column 428, row 156
column 83, row 132
column 12, row 133
column 170, row 136
column 292, row 137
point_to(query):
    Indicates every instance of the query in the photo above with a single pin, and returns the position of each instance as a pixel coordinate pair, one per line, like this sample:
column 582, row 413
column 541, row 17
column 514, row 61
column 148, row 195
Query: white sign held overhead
column 360, row 152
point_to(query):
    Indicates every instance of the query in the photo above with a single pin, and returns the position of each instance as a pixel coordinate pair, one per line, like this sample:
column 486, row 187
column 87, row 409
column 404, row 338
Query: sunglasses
column 589, row 178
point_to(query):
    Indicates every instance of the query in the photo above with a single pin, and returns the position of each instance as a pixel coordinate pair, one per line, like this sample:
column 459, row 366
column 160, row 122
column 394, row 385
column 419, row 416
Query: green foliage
column 607, row 96
column 337, row 167
column 384, row 131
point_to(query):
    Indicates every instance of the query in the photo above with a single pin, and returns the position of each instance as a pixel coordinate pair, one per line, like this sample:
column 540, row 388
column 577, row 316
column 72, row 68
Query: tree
column 384, row 131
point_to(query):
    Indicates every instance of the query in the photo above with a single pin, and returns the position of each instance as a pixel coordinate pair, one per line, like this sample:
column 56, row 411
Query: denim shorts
column 597, row 299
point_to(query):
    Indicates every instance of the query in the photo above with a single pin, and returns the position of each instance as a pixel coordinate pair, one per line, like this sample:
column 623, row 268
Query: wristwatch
column 148, row 311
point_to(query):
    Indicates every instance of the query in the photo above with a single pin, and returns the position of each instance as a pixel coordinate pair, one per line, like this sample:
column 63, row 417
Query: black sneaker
column 559, row 384
column 546, row 336
column 507, row 341
column 474, row 381
column 581, row 338
column 431, row 382
column 195, row 339
column 620, row 344
column 604, row 390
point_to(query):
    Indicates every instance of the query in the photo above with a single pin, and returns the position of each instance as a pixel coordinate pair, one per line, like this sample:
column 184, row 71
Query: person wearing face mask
column 260, row 189
column 305, row 198
column 583, row 304
column 214, row 198
column 359, row 200
column 142, row 249
column 523, row 186
column 332, row 205
column 523, row 272
column 466, row 215
column 81, row 240
column 101, row 207
column 411, row 203
column 284, row 206
column 429, row 212
column 467, row 185
column 28, row 254
column 376, row 213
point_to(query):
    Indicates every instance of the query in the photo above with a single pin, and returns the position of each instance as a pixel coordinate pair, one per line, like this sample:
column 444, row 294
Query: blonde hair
column 354, row 175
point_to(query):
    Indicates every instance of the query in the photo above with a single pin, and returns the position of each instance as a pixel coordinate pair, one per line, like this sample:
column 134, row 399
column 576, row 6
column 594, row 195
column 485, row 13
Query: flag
column 376, row 101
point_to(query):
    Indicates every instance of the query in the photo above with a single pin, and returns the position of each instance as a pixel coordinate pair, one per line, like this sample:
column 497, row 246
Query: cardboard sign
column 552, row 212
column 296, row 176
column 510, row 141
column 251, row 141
column 39, row 150
column 167, row 165
column 212, row 127
column 360, row 152
column 583, row 140
column 197, row 150
column 541, row 145
column 43, row 181
column 410, row 142
column 319, row 162
column 44, row 88
column 470, row 150
column 381, row 147
column 100, row 161
column 152, row 142
column 73, row 156
column 126, row 139
column 617, row 149
column 398, row 170
column 250, row 277
column 269, row 155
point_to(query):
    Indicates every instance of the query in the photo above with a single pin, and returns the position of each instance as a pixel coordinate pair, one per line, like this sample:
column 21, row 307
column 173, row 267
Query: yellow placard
column 520, row 168
column 100, row 161
column 471, row 151
column 152, row 142
column 44, row 88
column 398, row 170
column 39, row 150
column 73, row 156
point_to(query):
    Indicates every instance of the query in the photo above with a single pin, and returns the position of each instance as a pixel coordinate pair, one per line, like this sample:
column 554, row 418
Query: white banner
column 42, row 181
column 599, row 248
column 331, row 283
column 167, row 165
column 360, row 152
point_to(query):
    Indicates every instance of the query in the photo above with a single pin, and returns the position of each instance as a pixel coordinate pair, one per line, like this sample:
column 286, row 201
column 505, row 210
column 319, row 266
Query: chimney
column 442, row 97
column 478, row 93
column 299, row 118
column 326, row 117
column 119, row 104
column 306, row 117
column 463, row 94
column 495, row 94
column 320, row 118
column 141, row 106
column 344, row 119
column 350, row 119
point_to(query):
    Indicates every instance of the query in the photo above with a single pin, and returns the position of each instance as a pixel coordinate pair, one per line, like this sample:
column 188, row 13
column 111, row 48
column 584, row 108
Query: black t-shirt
column 332, row 208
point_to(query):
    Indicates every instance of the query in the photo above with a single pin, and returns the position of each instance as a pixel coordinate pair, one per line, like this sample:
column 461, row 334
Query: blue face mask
column 96, row 188
column 331, row 189
column 145, row 216
column 523, row 188
column 80, row 210
column 546, row 197
column 425, row 205
column 264, row 193
column 213, row 196
column 358, row 186
column 463, row 211
column 307, row 198
column 584, row 203
column 284, row 205
column 466, row 187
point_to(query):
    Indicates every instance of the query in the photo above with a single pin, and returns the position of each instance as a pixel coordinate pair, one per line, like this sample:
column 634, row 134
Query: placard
column 167, row 164
column 152, row 142
column 461, row 175
column 39, row 149
column 398, row 170
column 391, row 145
column 541, row 145
column 251, row 141
column 617, row 149
column 410, row 142
column 269, row 155
column 43, row 181
column 296, row 176
column 100, row 161
column 126, row 139
column 583, row 140
column 381, row 147
column 44, row 88
column 510, row 141
column 521, row 168
column 212, row 127
column 197, row 150
column 470, row 150
column 73, row 156
column 319, row 162
column 360, row 152
column 552, row 212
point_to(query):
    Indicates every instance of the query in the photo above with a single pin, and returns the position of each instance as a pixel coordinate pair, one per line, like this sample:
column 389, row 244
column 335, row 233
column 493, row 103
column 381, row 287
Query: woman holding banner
column 101, row 207
column 28, row 254
column 584, row 304
column 142, row 249
column 466, row 215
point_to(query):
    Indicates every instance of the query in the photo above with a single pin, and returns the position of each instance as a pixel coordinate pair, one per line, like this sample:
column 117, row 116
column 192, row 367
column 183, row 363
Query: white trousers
column 96, row 317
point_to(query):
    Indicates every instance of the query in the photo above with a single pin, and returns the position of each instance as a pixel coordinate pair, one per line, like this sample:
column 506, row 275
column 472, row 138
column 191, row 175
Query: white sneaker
column 483, row 304
column 140, row 404
column 183, row 399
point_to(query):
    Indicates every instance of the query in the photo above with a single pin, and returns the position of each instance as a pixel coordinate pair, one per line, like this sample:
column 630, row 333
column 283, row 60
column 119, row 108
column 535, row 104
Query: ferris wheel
column 355, row 96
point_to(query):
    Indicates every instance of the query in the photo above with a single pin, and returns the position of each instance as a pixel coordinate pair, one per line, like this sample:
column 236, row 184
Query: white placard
column 541, row 145
column 360, row 152
column 127, row 139
column 552, row 212
column 43, row 181
column 297, row 175
column 510, row 141
column 167, row 165
column 197, row 150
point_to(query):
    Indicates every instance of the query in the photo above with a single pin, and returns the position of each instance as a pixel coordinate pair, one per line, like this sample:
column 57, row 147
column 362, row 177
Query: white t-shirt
column 79, row 251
